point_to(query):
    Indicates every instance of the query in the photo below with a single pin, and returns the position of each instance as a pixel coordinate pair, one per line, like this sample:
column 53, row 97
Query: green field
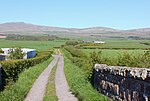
column 115, row 48
column 39, row 45
column 112, row 53
column 123, row 44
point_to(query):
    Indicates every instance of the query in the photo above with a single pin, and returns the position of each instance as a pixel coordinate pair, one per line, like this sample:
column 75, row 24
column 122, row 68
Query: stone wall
column 0, row 75
column 122, row 83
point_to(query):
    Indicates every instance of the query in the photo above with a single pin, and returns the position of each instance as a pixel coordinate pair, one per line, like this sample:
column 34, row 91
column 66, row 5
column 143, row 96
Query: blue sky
column 119, row 14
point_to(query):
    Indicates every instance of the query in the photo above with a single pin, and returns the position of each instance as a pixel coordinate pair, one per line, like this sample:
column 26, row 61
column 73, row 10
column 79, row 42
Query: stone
column 135, row 96
column 123, row 83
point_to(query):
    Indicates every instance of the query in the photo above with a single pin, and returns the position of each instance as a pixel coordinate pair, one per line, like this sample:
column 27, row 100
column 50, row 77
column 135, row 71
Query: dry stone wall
column 0, row 75
column 122, row 83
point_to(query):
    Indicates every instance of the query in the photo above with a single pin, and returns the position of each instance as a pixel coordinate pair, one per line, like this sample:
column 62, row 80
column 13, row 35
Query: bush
column 1, row 51
column 78, row 83
column 16, row 54
column 80, row 60
column 75, row 52
column 141, row 60
column 19, row 90
column 14, row 67
column 70, row 42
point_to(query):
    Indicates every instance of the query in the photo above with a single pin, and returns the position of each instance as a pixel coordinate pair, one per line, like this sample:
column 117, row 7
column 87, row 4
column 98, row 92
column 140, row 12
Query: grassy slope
column 39, row 45
column 79, row 85
column 26, row 79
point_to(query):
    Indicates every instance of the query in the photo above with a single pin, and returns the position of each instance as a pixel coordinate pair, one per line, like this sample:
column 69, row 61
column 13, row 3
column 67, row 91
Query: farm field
column 39, row 45
column 115, row 48
column 130, row 44
column 107, row 53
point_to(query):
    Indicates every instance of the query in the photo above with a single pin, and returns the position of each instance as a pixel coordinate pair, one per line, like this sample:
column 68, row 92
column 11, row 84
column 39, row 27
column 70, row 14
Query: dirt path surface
column 62, row 88
column 37, row 91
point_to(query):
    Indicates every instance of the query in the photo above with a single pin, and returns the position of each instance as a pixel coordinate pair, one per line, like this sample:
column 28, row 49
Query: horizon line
column 74, row 27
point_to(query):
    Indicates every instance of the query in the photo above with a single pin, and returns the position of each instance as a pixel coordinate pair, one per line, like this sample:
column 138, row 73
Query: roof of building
column 27, row 49
column 23, row 49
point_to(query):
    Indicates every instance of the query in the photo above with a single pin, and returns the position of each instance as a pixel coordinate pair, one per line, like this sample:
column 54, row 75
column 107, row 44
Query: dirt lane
column 37, row 91
column 62, row 88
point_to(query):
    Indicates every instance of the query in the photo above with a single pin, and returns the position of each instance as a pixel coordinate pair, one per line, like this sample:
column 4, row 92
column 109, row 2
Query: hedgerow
column 19, row 90
column 12, row 68
column 79, row 85
column 80, row 59
column 126, row 59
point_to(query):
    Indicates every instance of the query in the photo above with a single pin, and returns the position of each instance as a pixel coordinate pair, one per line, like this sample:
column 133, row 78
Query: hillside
column 26, row 28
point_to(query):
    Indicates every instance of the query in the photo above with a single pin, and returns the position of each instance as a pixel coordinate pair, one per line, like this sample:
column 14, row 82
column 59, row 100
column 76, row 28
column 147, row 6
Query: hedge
column 78, row 83
column 19, row 90
column 12, row 68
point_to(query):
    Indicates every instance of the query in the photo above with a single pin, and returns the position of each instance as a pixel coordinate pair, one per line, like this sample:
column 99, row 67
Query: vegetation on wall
column 86, row 63
column 126, row 59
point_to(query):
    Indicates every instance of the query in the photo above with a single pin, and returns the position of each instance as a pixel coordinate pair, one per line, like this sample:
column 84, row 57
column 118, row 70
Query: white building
column 6, row 50
column 29, row 53
column 99, row 42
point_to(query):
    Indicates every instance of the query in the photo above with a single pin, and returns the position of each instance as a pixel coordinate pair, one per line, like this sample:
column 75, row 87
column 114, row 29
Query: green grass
column 107, row 53
column 50, row 94
column 80, row 86
column 39, row 45
column 19, row 90
column 123, row 44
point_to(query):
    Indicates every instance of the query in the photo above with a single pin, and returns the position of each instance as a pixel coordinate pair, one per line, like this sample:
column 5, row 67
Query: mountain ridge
column 12, row 27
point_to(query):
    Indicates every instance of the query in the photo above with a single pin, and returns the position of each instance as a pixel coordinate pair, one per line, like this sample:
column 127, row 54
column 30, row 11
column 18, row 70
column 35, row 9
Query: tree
column 1, row 51
column 16, row 54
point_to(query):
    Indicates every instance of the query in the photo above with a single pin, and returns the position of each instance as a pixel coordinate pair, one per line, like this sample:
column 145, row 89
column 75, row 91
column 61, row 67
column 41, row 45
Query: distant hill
column 21, row 26
column 26, row 28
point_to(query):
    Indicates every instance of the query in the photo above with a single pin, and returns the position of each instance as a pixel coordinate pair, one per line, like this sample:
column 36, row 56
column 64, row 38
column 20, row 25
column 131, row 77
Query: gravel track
column 37, row 91
column 62, row 88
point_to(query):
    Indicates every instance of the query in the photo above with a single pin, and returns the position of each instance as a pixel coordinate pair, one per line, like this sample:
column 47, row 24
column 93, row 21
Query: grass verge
column 19, row 90
column 50, row 94
column 80, row 86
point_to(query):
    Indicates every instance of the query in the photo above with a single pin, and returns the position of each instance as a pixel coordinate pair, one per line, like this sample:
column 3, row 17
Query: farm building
column 2, row 57
column 85, row 41
column 29, row 53
column 99, row 42
column 6, row 50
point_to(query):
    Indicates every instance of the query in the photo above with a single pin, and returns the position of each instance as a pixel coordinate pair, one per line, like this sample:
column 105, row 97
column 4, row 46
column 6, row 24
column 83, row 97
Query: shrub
column 1, row 51
column 16, row 54
column 78, row 83
column 19, row 90
column 126, row 59
column 80, row 60
column 75, row 52
column 14, row 67
column 72, row 42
